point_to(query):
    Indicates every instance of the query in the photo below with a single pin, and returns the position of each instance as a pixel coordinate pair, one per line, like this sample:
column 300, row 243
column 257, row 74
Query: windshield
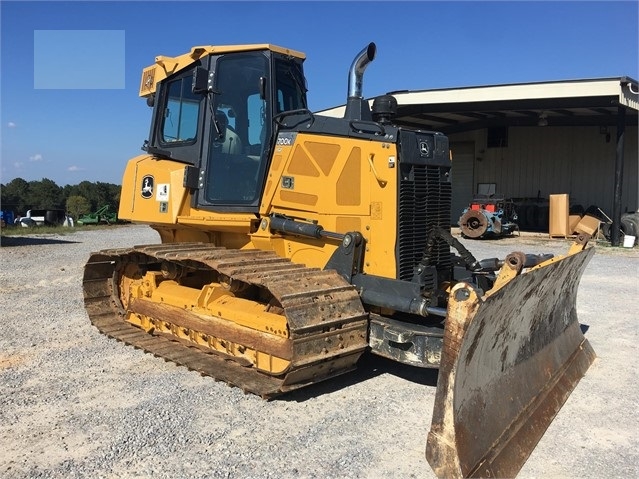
column 290, row 85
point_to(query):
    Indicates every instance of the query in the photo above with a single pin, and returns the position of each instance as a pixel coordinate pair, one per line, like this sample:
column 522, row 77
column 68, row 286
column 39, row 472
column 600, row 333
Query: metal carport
column 576, row 110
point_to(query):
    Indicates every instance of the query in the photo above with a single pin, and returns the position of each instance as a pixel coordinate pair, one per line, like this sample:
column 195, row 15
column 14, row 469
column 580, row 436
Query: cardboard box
column 573, row 220
column 558, row 221
column 588, row 224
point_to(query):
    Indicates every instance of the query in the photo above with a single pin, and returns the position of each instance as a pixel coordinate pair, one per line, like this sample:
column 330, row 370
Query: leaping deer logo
column 147, row 186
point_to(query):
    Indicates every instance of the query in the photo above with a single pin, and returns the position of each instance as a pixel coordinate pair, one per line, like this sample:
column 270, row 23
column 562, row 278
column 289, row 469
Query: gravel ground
column 74, row 403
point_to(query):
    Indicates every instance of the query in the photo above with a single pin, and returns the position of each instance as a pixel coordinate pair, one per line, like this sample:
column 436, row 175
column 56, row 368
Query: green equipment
column 102, row 215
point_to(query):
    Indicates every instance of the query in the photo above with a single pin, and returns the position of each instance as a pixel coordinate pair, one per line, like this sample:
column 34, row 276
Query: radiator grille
column 424, row 202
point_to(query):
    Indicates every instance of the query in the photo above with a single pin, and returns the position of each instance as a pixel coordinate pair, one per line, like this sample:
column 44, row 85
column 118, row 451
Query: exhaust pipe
column 356, row 73
column 356, row 107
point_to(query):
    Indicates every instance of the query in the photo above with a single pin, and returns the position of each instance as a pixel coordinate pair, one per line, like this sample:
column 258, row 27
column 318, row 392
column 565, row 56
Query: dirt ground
column 74, row 403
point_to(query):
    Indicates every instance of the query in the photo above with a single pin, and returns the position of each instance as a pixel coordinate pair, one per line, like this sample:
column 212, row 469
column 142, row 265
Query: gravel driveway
column 74, row 403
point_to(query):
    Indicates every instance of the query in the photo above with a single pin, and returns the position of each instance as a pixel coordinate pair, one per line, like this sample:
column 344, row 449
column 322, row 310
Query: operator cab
column 217, row 115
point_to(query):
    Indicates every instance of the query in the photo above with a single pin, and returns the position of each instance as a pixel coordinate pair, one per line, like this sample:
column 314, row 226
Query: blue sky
column 70, row 71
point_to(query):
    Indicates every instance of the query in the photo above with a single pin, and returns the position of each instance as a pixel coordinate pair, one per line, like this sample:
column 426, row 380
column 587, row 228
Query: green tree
column 77, row 205
column 19, row 195
column 114, row 195
column 14, row 196
column 89, row 191
column 45, row 194
column 102, row 194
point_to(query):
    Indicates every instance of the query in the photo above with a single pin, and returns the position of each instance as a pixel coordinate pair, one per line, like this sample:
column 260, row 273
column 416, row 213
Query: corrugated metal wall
column 462, row 176
column 540, row 161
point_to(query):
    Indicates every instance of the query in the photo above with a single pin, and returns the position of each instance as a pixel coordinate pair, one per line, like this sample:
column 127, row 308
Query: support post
column 616, row 206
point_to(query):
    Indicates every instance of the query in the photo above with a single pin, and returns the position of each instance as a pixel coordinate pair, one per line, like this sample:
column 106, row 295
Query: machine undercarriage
column 249, row 318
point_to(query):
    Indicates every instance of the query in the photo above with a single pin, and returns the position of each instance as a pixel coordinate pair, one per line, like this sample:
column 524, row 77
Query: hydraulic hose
column 440, row 233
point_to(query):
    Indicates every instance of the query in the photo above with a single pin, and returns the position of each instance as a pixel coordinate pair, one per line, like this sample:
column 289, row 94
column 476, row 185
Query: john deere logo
column 147, row 187
column 424, row 148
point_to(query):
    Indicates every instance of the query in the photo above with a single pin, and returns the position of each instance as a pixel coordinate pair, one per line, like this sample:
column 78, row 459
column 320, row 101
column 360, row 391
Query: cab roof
column 165, row 65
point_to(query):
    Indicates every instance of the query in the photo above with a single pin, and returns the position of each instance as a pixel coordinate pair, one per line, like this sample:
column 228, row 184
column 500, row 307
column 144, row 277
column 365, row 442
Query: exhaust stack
column 356, row 107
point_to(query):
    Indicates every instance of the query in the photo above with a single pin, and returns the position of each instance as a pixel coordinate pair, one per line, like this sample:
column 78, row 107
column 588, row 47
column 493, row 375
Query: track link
column 326, row 321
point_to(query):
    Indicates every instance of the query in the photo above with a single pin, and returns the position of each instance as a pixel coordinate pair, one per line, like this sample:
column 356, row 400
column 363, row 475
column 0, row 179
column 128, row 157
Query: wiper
column 210, row 94
column 298, row 82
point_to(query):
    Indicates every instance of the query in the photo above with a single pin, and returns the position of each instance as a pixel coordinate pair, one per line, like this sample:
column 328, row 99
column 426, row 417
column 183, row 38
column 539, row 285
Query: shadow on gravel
column 368, row 367
column 30, row 241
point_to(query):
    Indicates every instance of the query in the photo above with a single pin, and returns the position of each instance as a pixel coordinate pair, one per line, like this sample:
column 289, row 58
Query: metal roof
column 557, row 103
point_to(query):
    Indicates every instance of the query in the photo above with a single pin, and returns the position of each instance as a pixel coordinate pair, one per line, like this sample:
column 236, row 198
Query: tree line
column 20, row 196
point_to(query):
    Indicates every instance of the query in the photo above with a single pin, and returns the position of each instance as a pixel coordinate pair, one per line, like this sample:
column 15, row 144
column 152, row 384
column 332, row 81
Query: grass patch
column 51, row 230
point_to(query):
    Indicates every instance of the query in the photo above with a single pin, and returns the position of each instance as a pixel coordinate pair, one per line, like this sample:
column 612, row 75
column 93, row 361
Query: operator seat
column 230, row 143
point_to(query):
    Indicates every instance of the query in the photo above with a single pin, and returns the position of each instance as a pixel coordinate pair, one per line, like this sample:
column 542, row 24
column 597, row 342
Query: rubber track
column 318, row 305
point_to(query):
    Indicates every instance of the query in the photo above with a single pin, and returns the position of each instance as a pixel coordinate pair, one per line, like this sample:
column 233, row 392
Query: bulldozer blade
column 509, row 362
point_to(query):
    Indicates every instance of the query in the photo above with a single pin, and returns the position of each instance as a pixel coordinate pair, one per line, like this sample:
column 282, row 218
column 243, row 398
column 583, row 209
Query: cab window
column 181, row 112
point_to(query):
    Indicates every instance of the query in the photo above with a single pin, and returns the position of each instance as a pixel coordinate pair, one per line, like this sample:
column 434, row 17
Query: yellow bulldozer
column 292, row 243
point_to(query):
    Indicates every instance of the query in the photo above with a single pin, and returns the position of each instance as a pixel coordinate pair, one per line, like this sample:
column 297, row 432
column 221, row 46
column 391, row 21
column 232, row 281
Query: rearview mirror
column 263, row 88
column 200, row 80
